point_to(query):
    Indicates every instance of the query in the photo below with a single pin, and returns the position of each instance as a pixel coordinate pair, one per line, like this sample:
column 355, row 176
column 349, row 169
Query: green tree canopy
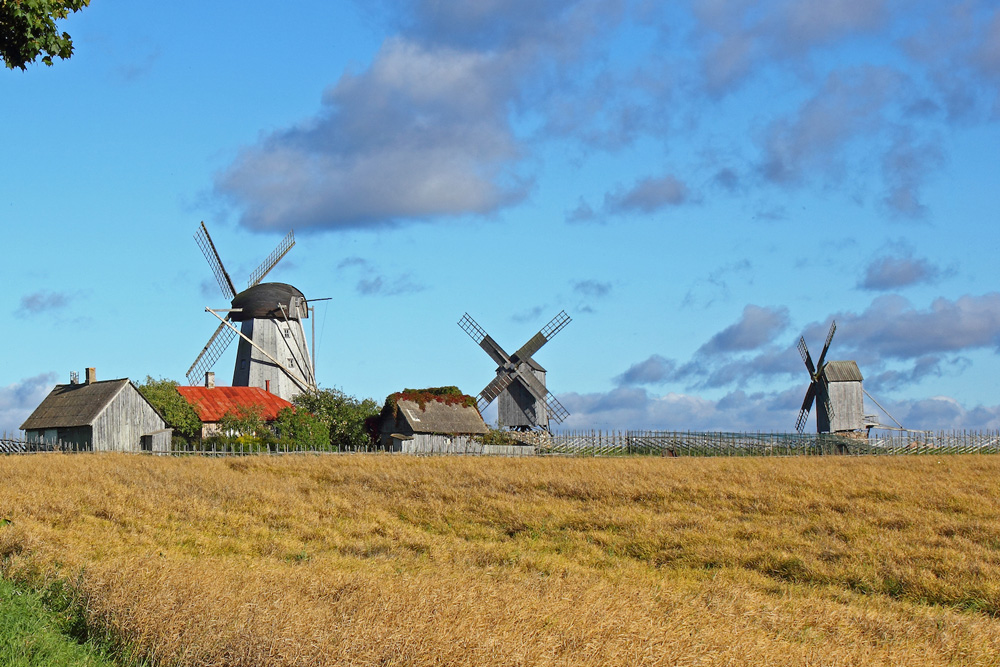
column 177, row 412
column 343, row 415
column 299, row 429
column 28, row 29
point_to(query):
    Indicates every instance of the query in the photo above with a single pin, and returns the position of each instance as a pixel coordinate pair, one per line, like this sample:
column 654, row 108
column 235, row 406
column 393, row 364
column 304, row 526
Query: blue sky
column 696, row 183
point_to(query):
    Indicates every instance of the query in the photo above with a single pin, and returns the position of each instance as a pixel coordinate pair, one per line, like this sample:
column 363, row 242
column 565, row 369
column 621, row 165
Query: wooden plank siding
column 517, row 407
column 286, row 342
column 121, row 425
column 847, row 399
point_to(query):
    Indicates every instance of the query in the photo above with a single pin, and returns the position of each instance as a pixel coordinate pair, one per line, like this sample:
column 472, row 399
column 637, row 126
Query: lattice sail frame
column 815, row 377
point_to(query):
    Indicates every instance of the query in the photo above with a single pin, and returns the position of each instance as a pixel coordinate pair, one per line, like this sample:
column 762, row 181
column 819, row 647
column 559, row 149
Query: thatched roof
column 438, row 417
column 74, row 404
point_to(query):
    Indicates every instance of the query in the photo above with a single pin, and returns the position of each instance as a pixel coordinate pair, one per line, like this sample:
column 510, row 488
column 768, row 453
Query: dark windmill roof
column 74, row 404
column 264, row 301
column 438, row 417
column 842, row 371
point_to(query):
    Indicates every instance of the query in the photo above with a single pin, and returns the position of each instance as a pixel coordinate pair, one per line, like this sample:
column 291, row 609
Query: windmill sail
column 493, row 389
column 214, row 348
column 204, row 242
column 479, row 335
column 536, row 342
column 816, row 376
column 272, row 259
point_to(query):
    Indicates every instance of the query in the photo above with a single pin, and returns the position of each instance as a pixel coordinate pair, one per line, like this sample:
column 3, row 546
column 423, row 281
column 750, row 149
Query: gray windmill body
column 523, row 401
column 270, row 315
column 836, row 387
column 272, row 353
column 517, row 407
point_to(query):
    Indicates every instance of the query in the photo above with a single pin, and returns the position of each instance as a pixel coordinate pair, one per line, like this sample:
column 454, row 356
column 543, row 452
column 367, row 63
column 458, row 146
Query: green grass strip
column 32, row 633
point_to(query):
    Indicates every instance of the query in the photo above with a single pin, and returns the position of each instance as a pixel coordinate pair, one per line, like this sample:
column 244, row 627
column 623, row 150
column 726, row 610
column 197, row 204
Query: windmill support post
column 883, row 409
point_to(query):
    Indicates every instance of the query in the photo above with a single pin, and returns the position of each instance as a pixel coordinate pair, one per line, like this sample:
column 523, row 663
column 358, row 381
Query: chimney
column 91, row 375
column 267, row 386
column 210, row 379
column 74, row 377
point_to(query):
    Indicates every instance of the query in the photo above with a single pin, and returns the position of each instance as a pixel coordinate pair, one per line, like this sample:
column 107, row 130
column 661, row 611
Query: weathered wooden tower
column 272, row 353
column 836, row 387
column 524, row 401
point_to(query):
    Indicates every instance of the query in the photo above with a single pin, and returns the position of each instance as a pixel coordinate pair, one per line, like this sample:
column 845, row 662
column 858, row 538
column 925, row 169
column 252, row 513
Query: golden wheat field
column 390, row 560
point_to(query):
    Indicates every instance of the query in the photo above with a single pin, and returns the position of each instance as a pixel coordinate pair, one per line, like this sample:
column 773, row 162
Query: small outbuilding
column 440, row 420
column 105, row 416
column 212, row 403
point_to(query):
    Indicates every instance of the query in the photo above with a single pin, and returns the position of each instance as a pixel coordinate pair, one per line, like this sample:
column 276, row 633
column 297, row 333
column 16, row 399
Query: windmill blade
column 804, row 352
column 204, row 242
column 807, row 404
column 826, row 346
column 557, row 324
column 493, row 389
column 479, row 335
column 541, row 394
column 830, row 414
column 213, row 349
column 556, row 410
column 272, row 259
column 530, row 382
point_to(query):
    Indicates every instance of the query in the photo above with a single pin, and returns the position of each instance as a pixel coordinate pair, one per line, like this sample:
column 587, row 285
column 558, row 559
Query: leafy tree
column 177, row 412
column 28, row 29
column 299, row 429
column 343, row 415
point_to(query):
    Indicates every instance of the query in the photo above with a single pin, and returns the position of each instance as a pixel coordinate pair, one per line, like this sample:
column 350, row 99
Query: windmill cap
column 265, row 301
column 841, row 371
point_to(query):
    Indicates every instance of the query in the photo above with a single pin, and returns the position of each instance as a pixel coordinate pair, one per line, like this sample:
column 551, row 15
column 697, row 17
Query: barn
column 100, row 416
column 440, row 420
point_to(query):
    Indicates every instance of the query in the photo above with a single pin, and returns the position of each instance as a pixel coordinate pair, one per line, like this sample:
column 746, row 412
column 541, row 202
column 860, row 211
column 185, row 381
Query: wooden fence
column 690, row 443
column 646, row 443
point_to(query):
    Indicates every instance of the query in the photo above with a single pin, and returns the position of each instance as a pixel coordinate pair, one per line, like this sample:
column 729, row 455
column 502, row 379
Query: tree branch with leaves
column 28, row 30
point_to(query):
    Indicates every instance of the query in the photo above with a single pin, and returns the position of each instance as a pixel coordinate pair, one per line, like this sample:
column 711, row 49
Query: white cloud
column 19, row 400
column 422, row 133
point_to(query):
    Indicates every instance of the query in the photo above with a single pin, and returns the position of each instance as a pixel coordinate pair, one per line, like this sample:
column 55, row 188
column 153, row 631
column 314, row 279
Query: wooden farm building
column 841, row 390
column 213, row 403
column 437, row 421
column 106, row 416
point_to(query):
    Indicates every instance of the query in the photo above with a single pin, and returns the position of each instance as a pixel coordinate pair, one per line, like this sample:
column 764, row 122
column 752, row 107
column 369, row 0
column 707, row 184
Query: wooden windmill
column 272, row 353
column 524, row 402
column 836, row 387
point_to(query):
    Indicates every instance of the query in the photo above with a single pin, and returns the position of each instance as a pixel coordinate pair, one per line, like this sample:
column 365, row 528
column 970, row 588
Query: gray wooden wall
column 286, row 342
column 120, row 427
column 517, row 407
column 848, row 407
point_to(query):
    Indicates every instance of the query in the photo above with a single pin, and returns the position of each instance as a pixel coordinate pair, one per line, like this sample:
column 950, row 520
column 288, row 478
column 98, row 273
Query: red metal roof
column 212, row 403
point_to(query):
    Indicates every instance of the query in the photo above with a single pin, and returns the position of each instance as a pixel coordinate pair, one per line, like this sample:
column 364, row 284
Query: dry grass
column 378, row 560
